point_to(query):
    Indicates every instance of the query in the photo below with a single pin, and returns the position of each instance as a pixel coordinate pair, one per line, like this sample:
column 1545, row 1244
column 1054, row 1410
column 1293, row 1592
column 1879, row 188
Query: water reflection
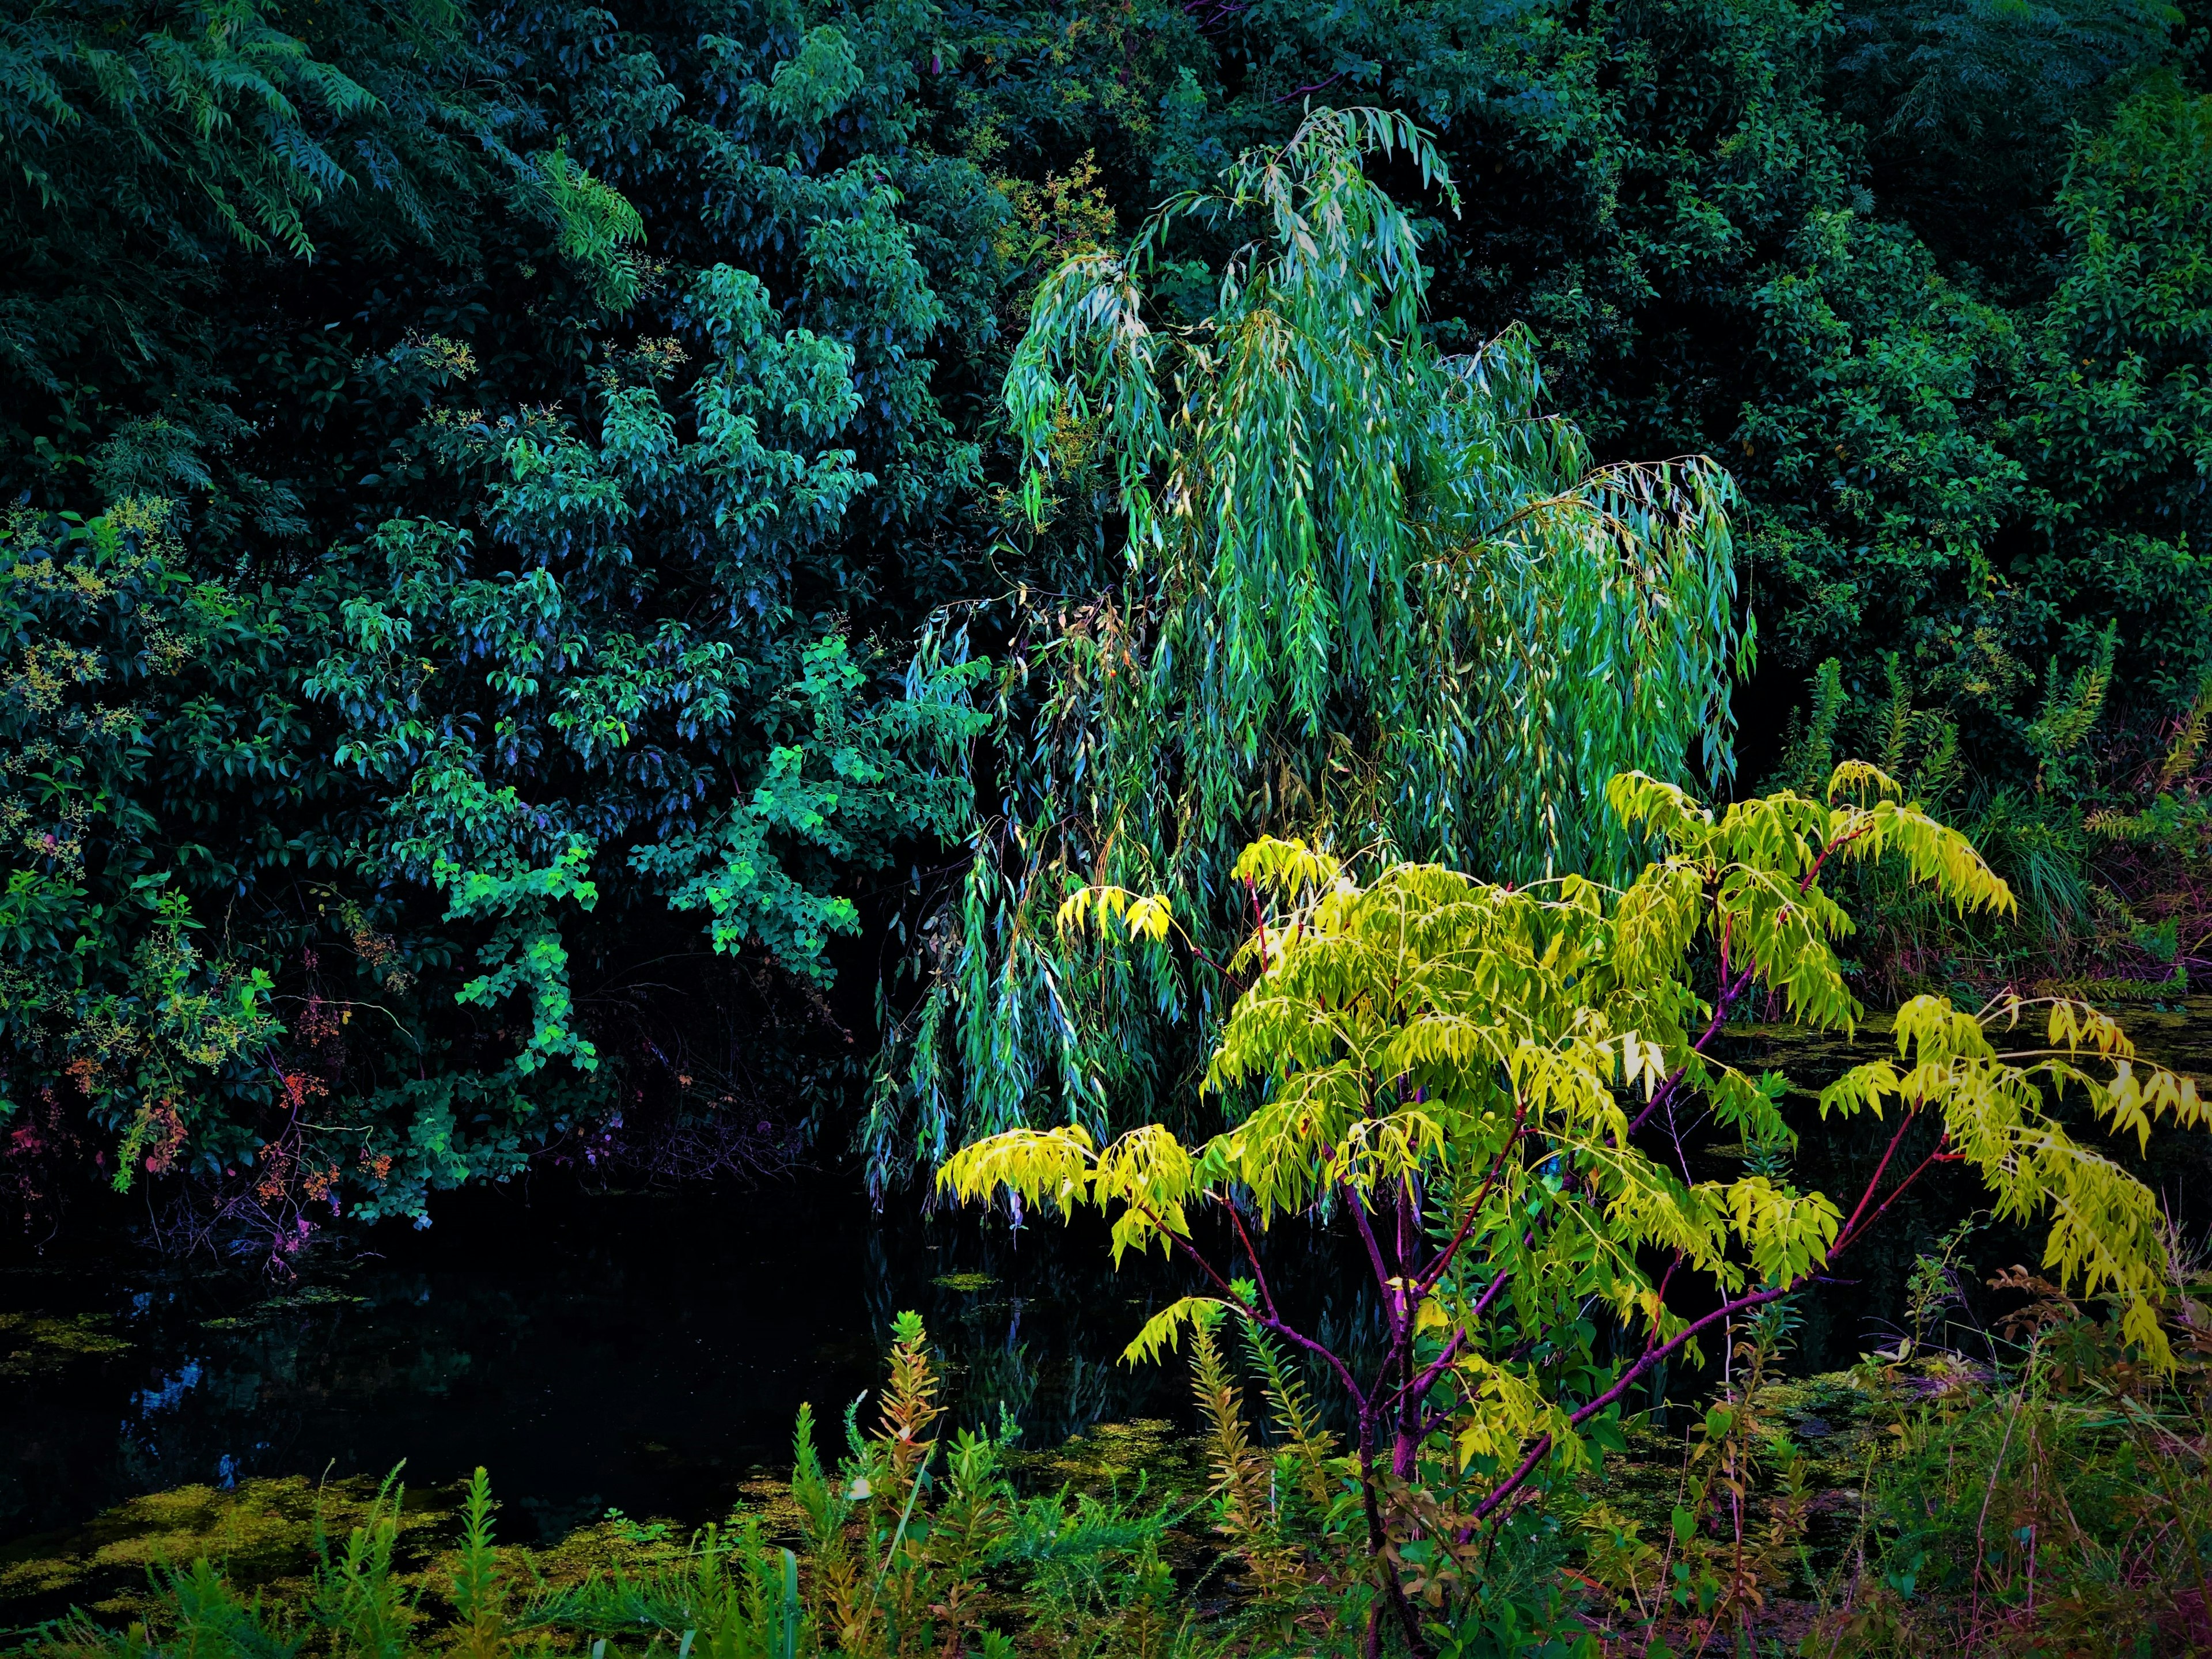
column 645, row 1352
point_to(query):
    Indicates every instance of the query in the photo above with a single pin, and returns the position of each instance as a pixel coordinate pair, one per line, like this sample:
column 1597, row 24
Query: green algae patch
column 36, row 1343
column 613, row 1546
column 970, row 1283
column 1112, row 1459
column 309, row 1298
column 262, row 1535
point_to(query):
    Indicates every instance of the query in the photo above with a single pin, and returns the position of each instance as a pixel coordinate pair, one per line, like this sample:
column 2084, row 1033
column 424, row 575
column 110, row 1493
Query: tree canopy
column 1370, row 591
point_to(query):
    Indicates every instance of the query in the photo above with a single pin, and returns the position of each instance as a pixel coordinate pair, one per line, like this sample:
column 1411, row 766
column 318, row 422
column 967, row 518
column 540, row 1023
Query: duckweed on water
column 262, row 1533
column 36, row 1344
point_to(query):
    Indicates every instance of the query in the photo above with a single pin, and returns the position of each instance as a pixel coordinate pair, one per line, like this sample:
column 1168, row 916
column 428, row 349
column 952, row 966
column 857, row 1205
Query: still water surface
column 642, row 1353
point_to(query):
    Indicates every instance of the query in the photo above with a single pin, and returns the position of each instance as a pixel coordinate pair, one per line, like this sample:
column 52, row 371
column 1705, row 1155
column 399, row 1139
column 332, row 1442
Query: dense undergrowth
column 2108, row 844
column 1123, row 605
column 2025, row 1488
column 1451, row 1067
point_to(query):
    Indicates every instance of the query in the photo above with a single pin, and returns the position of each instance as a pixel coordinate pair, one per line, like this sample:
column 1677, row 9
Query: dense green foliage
column 1129, row 603
column 552, row 551
column 559, row 651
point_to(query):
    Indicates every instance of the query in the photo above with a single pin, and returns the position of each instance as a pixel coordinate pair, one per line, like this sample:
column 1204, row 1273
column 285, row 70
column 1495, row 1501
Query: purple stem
column 1374, row 1257
column 1731, row 993
column 1628, row 1379
column 1851, row 1231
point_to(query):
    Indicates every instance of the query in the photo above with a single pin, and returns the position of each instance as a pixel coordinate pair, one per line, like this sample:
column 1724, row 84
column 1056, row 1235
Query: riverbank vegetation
column 1137, row 607
column 1460, row 1071
column 2032, row 1490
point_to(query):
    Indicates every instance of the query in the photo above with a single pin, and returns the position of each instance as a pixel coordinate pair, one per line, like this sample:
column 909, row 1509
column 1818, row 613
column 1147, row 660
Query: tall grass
column 2058, row 1505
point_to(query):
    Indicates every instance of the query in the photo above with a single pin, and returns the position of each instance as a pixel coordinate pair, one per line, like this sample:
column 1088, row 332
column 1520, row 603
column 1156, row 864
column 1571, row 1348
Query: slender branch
column 1731, row 992
column 1511, row 1483
column 1626, row 1380
column 1489, row 1295
column 1418, row 1386
column 1888, row 1152
column 1317, row 86
column 1421, row 1384
column 1391, row 1357
column 1943, row 1154
column 1259, row 1274
column 1427, row 1281
column 1267, row 1320
column 1828, row 852
column 1259, row 920
column 1383, row 1274
column 1665, row 1280
column 1343, row 1371
column 1666, row 1350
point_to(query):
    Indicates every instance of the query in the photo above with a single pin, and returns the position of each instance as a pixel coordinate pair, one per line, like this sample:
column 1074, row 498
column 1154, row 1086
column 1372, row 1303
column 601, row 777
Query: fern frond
column 1162, row 1332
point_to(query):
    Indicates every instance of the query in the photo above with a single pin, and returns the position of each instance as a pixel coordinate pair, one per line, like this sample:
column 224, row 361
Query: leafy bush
column 2108, row 847
column 1455, row 1064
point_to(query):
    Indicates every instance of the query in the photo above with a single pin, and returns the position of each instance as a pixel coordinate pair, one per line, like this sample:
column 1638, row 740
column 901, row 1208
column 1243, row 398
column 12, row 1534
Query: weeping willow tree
column 1368, row 594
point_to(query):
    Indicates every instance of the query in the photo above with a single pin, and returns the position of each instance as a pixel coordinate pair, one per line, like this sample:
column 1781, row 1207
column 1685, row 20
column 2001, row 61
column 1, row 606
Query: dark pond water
column 637, row 1351
column 649, row 1353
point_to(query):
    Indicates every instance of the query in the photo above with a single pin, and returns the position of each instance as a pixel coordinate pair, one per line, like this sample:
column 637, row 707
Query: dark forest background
column 515, row 624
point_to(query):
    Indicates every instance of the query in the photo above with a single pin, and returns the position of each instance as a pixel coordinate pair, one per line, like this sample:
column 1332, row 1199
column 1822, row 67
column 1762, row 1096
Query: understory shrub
column 1492, row 1084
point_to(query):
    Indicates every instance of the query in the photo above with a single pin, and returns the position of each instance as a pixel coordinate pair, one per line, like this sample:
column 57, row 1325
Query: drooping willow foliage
column 1371, row 595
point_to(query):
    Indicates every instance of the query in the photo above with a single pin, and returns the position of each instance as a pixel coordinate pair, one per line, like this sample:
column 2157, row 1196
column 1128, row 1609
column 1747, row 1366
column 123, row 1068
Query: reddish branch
column 1732, row 991
column 1888, row 1152
column 1428, row 1280
column 1317, row 86
column 1851, row 1232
